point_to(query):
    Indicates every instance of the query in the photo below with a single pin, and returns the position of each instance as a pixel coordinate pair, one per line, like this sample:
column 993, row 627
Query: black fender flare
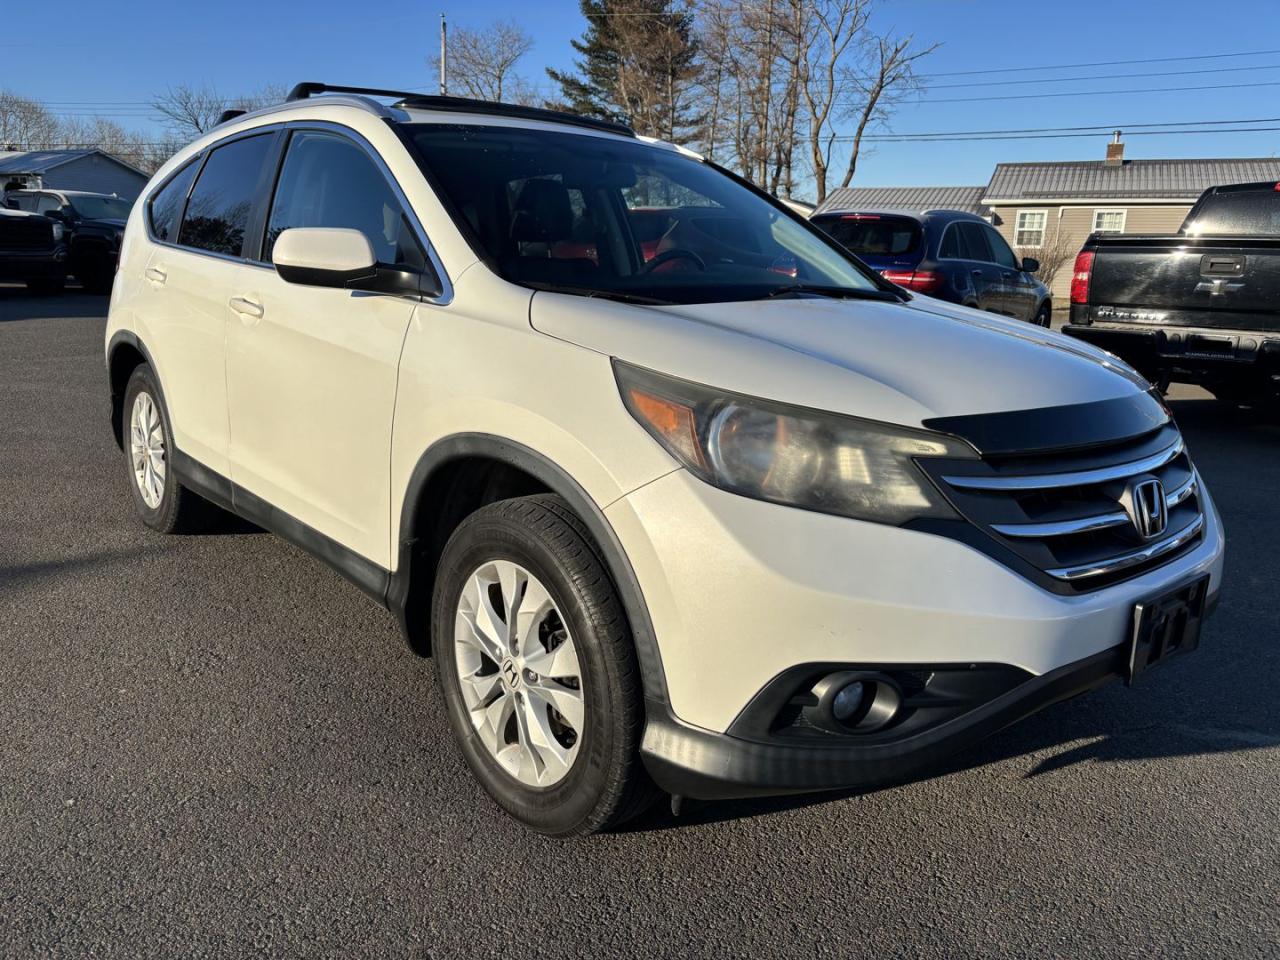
column 556, row 479
column 127, row 338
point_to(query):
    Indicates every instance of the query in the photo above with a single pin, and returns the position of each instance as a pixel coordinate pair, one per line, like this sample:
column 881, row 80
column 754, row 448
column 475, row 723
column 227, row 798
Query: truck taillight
column 922, row 281
column 1080, row 277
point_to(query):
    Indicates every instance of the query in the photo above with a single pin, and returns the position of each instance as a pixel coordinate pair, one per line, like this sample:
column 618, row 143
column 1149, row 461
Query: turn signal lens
column 669, row 421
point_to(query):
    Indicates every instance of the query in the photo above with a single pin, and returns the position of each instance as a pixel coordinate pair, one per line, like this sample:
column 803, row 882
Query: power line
column 1093, row 93
column 1097, row 127
column 1101, row 63
column 1109, row 76
column 1054, row 136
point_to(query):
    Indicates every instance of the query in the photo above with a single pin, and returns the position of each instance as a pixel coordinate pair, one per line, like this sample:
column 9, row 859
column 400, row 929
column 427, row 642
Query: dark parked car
column 94, row 223
column 1201, row 306
column 32, row 251
column 946, row 254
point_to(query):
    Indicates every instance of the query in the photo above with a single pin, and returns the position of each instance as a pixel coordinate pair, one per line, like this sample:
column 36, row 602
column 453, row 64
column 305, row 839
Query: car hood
column 103, row 224
column 899, row 363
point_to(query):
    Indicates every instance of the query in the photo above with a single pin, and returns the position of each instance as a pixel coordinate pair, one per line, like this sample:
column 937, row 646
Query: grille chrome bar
column 1076, row 478
column 1064, row 528
column 1133, row 559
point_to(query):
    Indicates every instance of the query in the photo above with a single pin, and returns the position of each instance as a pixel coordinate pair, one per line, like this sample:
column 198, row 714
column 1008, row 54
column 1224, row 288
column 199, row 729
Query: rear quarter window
column 165, row 209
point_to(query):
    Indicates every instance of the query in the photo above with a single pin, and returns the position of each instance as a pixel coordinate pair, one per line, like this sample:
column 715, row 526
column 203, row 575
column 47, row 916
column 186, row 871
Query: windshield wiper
column 835, row 293
column 618, row 295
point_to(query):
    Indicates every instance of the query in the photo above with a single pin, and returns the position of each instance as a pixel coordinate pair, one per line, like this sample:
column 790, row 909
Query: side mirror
column 343, row 258
column 323, row 256
column 1030, row 264
column 57, row 215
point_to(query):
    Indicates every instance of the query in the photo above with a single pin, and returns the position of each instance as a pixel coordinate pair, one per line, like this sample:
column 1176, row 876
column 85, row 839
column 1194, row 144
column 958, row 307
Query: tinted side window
column 950, row 246
column 328, row 181
column 218, row 211
column 166, row 203
column 1000, row 251
column 1242, row 213
column 973, row 242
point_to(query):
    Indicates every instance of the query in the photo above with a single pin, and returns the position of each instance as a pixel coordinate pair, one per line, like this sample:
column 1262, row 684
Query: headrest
column 542, row 213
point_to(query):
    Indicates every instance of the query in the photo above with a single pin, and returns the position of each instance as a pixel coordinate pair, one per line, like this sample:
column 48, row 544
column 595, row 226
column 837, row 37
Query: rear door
column 199, row 232
column 312, row 371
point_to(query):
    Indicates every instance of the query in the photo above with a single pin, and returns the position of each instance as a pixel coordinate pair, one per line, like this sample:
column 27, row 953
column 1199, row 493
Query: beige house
column 1047, row 210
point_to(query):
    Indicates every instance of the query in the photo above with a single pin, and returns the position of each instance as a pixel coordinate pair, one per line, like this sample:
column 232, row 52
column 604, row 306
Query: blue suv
column 946, row 254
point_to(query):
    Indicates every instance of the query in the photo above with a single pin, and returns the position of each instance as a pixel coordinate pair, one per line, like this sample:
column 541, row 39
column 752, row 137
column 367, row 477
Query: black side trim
column 118, row 339
column 365, row 574
column 692, row 762
column 559, row 482
column 1056, row 428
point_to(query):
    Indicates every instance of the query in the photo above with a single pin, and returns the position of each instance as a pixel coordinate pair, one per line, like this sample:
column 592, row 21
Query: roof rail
column 492, row 108
column 424, row 101
column 310, row 88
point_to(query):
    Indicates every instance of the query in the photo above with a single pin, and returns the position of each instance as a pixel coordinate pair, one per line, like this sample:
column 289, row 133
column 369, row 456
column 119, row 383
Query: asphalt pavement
column 213, row 746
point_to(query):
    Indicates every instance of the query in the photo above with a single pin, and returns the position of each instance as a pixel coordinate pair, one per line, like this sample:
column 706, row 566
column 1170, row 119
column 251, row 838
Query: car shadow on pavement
column 18, row 303
column 1221, row 699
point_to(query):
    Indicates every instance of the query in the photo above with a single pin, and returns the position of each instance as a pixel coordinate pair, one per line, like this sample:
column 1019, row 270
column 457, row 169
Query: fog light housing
column 854, row 702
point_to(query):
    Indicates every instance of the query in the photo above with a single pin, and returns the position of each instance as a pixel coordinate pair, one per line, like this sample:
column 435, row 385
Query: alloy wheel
column 147, row 450
column 518, row 670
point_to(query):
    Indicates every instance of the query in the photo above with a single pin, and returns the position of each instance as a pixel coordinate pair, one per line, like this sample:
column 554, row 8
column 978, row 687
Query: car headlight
column 58, row 232
column 790, row 455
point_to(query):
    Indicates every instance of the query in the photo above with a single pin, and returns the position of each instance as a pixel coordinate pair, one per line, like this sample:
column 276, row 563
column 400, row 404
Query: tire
column 1044, row 315
column 176, row 509
column 46, row 287
column 602, row 783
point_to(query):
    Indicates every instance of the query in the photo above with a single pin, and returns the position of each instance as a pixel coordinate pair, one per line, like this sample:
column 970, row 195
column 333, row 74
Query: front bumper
column 41, row 265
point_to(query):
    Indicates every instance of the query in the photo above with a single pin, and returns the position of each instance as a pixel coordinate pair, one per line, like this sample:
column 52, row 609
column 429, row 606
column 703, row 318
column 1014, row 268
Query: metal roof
column 42, row 161
column 1130, row 180
column 914, row 199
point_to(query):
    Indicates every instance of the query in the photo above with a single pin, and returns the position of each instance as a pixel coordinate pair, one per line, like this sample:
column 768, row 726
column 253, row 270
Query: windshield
column 591, row 215
column 101, row 208
column 873, row 235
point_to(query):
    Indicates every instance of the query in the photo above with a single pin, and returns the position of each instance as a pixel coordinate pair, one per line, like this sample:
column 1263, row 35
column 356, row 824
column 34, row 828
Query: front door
column 311, row 371
column 1019, row 287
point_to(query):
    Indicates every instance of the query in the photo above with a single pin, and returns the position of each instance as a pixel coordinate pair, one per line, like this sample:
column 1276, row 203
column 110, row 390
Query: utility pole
column 444, row 36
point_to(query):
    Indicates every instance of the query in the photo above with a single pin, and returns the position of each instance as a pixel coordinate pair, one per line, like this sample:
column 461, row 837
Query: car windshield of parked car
column 873, row 235
column 603, row 216
column 101, row 208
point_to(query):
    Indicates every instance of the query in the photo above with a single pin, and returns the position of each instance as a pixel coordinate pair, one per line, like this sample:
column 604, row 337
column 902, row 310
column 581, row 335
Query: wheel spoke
column 532, row 610
column 535, row 725
column 493, row 723
column 468, row 631
column 487, row 619
column 568, row 703
column 511, row 580
column 561, row 662
column 479, row 689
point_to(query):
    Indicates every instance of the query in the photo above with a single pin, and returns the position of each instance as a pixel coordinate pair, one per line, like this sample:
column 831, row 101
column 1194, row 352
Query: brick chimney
column 1115, row 151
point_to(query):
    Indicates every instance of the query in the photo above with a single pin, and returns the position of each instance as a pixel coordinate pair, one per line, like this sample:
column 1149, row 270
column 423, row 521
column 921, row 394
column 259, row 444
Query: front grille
column 26, row 233
column 1068, row 514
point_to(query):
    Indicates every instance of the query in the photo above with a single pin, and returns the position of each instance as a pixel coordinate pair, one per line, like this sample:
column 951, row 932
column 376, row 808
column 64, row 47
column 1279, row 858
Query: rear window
column 1247, row 213
column 874, row 235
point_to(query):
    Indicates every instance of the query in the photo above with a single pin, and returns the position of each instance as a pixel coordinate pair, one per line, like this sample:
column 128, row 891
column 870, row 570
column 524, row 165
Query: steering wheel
column 675, row 253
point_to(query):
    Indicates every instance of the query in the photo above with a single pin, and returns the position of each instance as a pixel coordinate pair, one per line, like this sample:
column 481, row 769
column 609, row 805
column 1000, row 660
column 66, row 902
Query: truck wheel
column 164, row 504
column 534, row 659
column 46, row 287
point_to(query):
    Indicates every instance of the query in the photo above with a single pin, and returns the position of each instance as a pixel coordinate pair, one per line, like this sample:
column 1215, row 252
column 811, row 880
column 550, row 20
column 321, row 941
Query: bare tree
column 25, row 124
column 482, row 63
column 884, row 78
column 1057, row 250
column 190, row 111
column 139, row 149
column 833, row 28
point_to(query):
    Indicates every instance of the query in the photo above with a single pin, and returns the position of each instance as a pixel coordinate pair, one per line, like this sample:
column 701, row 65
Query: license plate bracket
column 1166, row 625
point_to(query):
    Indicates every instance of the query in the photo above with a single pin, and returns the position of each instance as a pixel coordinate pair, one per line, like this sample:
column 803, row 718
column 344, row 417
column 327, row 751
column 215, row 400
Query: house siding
column 1076, row 223
column 95, row 174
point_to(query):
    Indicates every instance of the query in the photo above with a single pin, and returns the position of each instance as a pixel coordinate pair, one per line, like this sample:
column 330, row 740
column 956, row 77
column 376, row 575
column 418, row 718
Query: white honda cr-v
column 679, row 494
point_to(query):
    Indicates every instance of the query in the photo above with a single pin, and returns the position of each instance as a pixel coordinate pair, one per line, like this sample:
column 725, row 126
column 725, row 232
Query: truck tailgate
column 1206, row 282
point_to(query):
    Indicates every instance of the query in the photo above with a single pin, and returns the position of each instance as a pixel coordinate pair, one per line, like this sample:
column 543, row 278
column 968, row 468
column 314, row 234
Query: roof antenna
column 444, row 56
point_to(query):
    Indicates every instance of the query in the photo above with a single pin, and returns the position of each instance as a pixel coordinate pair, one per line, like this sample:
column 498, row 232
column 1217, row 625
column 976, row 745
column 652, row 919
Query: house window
column 1028, row 229
column 1108, row 221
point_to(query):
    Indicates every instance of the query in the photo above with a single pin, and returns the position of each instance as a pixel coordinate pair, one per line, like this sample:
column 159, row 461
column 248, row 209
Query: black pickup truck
column 32, row 251
column 1202, row 306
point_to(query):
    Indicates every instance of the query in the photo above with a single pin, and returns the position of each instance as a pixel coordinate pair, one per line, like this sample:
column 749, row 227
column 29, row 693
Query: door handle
column 155, row 275
column 976, row 273
column 246, row 307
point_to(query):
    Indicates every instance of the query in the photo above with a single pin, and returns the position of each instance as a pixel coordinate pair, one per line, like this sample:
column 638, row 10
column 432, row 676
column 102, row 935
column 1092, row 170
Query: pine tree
column 638, row 62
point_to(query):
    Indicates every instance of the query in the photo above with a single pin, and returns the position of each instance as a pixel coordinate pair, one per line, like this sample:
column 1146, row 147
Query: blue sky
column 112, row 57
